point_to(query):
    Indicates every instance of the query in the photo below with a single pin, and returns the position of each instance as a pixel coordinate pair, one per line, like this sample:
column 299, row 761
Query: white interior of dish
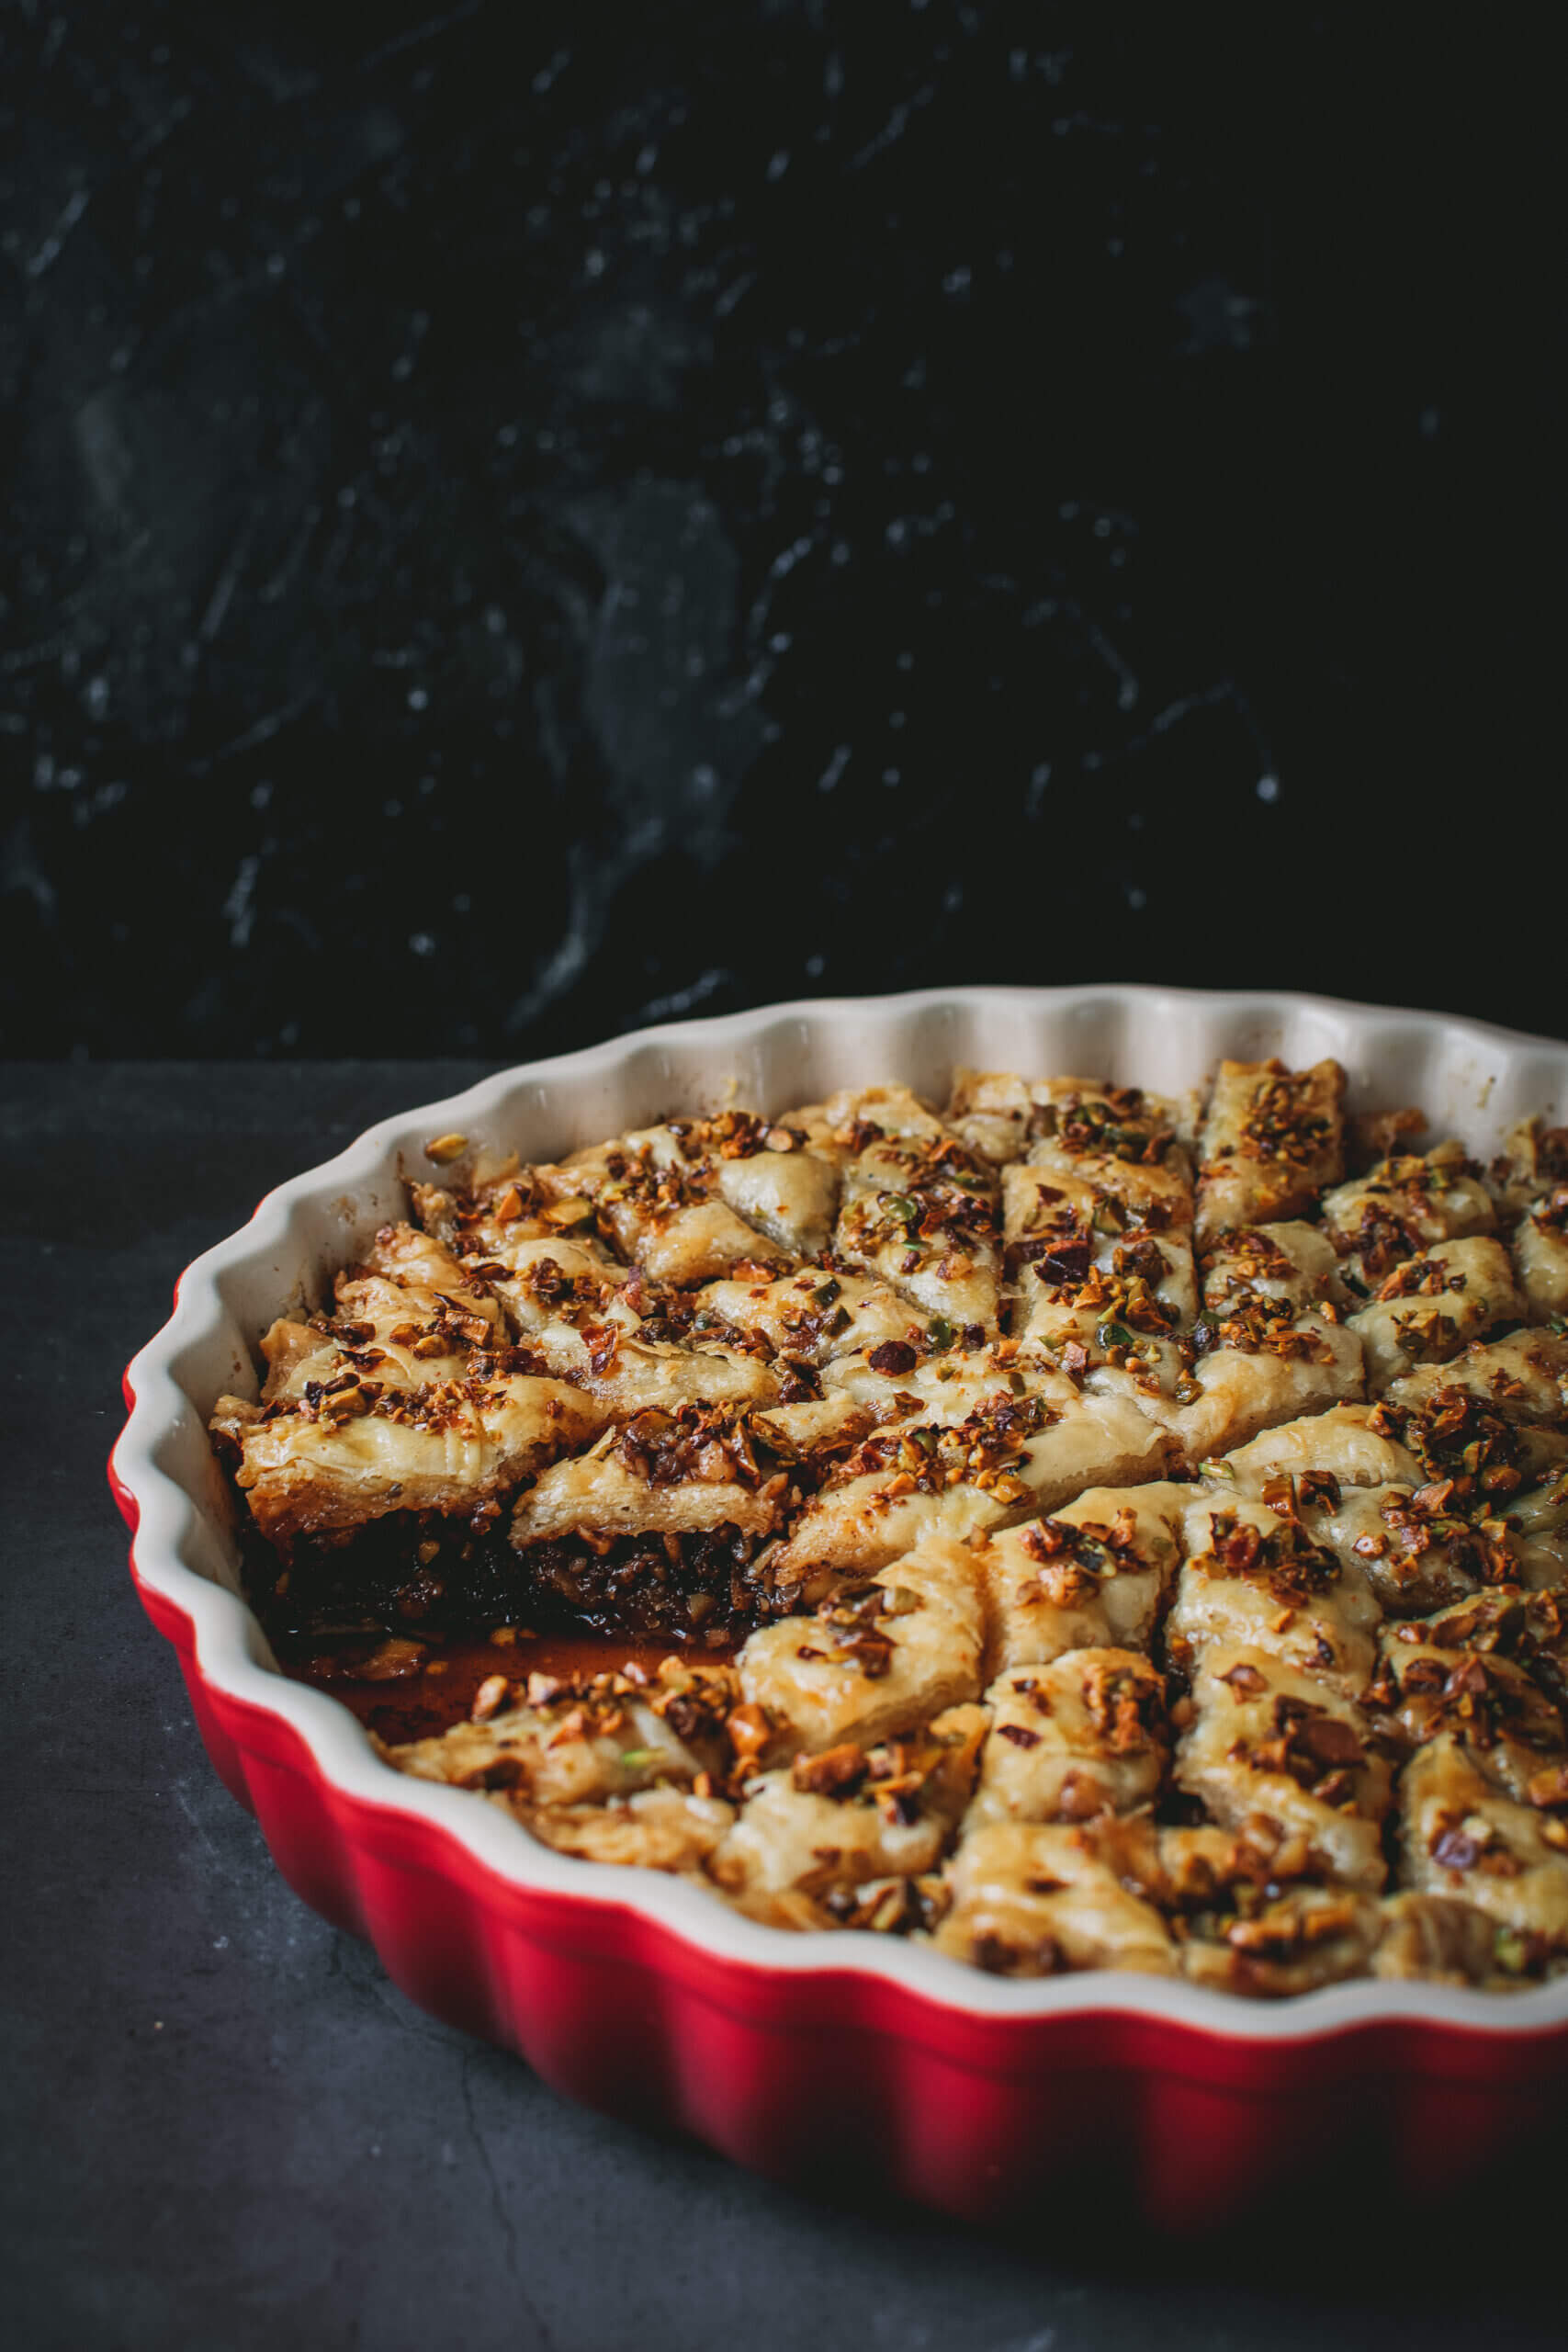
column 1472, row 1080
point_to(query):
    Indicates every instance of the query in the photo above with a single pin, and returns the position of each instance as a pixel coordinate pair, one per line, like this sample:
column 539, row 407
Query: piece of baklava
column 874, row 1659
column 1533, row 1160
column 549, row 1741
column 1032, row 1442
column 691, row 1199
column 1461, row 1835
column 1270, row 1741
column 812, row 1840
column 1269, row 1345
column 1431, row 1307
column 1036, row 1899
column 1401, row 1207
column 1082, row 1735
column 1272, row 1140
column 919, row 1210
column 999, row 1114
column 1540, row 1248
column 407, row 1398
column 1253, row 1580
column 1353, row 1445
column 1092, row 1574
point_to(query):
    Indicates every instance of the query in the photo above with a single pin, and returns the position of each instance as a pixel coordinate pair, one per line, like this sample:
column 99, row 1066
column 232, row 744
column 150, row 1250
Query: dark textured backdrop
column 520, row 520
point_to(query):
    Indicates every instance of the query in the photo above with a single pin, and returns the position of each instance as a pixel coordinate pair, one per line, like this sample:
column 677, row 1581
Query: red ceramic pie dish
column 637, row 1992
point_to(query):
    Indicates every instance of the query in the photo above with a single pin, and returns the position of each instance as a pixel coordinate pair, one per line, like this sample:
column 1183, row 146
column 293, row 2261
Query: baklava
column 1074, row 1528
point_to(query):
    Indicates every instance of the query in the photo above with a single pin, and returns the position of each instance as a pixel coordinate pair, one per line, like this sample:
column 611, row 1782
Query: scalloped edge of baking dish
column 333, row 1812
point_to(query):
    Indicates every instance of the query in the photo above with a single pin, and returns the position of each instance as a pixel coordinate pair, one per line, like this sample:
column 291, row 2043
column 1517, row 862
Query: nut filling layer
column 1078, row 1528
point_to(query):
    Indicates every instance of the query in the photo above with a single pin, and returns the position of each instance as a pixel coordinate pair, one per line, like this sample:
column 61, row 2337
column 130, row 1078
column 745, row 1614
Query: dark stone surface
column 518, row 521
column 222, row 2127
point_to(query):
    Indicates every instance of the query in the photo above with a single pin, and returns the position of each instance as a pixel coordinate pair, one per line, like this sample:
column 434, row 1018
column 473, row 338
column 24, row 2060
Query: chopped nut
column 441, row 1149
column 490, row 1698
column 832, row 1773
column 568, row 1212
column 749, row 1731
column 394, row 1659
column 1549, row 1787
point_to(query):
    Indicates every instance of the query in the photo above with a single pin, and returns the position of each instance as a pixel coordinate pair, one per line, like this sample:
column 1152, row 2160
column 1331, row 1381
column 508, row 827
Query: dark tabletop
column 223, row 2128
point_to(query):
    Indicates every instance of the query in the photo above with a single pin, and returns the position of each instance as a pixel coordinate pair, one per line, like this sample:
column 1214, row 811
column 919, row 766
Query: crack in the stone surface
column 497, row 2201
